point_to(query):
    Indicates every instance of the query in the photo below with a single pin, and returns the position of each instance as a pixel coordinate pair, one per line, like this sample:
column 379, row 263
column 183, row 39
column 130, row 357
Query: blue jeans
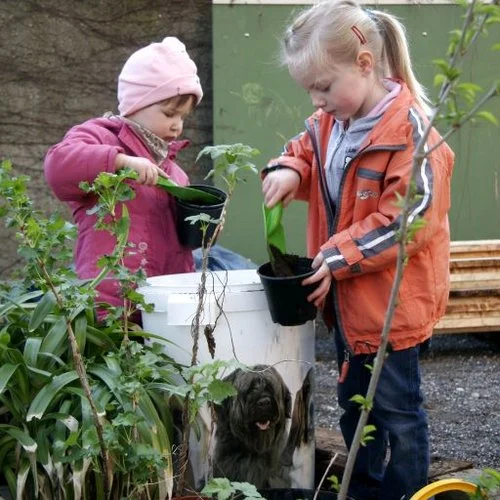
column 400, row 421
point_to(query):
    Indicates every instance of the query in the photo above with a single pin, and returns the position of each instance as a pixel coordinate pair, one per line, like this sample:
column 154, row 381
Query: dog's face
column 257, row 414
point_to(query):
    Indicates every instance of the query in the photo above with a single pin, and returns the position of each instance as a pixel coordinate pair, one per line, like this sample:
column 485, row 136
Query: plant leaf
column 18, row 301
column 43, row 308
column 31, row 350
column 43, row 399
column 6, row 372
column 22, row 437
column 55, row 337
column 488, row 116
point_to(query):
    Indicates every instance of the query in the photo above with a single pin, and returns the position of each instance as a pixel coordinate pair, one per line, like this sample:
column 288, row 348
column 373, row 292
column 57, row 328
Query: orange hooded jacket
column 358, row 237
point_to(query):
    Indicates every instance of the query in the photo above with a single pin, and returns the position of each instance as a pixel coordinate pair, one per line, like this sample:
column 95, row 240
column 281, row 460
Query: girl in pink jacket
column 157, row 88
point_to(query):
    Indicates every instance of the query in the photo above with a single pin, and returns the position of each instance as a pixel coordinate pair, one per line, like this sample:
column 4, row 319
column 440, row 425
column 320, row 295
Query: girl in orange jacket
column 352, row 160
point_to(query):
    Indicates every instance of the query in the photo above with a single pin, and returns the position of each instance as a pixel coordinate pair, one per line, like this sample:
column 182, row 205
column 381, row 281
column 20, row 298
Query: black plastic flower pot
column 296, row 494
column 191, row 234
column 286, row 296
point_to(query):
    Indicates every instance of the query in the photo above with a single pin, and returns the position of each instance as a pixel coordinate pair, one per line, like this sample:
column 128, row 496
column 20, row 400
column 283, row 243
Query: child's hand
column 280, row 185
column 324, row 276
column 147, row 170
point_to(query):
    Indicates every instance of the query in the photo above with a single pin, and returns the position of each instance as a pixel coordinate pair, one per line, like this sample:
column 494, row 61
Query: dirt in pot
column 283, row 264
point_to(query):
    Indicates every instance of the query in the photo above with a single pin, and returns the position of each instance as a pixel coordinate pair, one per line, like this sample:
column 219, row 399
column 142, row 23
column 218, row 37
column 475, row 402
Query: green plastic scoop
column 282, row 264
column 275, row 232
column 187, row 193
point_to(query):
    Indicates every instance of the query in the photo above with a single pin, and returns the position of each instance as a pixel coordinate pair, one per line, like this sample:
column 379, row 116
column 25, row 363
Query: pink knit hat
column 155, row 73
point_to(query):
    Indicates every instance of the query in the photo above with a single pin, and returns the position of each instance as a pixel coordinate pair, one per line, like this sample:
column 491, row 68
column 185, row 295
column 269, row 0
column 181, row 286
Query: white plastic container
column 244, row 332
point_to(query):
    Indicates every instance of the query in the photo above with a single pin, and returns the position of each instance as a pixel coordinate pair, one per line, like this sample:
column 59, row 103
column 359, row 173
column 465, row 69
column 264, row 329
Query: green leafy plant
column 488, row 485
column 223, row 489
column 86, row 406
column 231, row 162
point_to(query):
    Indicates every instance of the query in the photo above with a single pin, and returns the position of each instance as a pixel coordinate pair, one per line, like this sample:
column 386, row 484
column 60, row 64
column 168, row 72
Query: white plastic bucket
column 246, row 332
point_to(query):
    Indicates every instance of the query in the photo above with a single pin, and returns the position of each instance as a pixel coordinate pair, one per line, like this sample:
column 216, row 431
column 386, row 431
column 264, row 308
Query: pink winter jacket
column 91, row 148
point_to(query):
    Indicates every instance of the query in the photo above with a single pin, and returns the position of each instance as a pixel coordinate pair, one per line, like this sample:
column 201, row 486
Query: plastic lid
column 244, row 280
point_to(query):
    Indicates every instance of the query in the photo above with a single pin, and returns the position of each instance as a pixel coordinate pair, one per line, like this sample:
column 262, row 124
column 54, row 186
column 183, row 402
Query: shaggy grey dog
column 251, row 428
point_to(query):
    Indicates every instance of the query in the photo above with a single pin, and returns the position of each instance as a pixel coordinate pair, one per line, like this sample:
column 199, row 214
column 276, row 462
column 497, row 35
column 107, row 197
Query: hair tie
column 359, row 34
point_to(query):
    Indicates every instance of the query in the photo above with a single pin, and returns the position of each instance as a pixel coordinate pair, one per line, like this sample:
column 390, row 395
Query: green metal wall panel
column 256, row 102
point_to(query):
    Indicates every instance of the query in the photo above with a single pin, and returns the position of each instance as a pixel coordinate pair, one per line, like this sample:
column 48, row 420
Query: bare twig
column 318, row 489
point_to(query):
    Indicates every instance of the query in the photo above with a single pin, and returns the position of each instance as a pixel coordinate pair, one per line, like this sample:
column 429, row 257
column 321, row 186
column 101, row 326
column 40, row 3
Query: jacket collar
column 131, row 139
column 392, row 129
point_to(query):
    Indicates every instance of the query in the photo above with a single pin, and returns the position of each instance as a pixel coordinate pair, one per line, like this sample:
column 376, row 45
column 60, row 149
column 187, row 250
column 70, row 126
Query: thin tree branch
column 494, row 91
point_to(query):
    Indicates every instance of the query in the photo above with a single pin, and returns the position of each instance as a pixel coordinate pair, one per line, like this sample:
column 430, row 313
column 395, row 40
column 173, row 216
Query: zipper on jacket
column 330, row 214
column 332, row 220
column 366, row 149
column 336, row 308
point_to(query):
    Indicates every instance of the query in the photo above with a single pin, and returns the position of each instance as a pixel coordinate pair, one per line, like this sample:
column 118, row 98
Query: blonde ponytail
column 335, row 30
column 397, row 55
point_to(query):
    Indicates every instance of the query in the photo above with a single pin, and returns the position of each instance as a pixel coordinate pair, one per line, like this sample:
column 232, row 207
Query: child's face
column 344, row 90
column 165, row 119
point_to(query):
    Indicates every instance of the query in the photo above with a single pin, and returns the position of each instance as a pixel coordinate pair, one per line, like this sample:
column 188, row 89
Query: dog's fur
column 251, row 428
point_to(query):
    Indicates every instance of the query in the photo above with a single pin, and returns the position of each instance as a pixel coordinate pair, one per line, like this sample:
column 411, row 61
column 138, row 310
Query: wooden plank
column 472, row 283
column 474, row 249
column 468, row 263
column 473, row 305
column 467, row 324
column 474, row 293
column 490, row 279
column 444, row 467
column 329, row 443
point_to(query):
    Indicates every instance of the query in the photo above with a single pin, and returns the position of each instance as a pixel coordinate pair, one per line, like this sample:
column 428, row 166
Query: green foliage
column 334, row 482
column 223, row 489
column 205, row 385
column 230, row 162
column 366, row 436
column 488, row 485
column 364, row 403
column 462, row 99
column 50, row 444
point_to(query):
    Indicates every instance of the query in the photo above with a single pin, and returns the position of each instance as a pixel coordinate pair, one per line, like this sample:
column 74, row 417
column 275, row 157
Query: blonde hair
column 336, row 30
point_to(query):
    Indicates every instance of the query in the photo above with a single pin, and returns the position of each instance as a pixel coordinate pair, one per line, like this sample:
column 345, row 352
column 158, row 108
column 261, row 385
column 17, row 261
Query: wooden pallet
column 474, row 302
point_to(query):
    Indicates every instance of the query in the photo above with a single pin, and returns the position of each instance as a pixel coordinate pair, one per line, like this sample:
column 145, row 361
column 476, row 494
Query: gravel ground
column 461, row 385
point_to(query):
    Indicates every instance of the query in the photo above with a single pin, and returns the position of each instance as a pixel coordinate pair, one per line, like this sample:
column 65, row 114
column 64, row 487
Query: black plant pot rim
column 271, row 277
column 210, row 189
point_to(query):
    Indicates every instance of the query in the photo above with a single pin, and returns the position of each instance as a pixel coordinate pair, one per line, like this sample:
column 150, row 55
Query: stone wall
column 60, row 62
